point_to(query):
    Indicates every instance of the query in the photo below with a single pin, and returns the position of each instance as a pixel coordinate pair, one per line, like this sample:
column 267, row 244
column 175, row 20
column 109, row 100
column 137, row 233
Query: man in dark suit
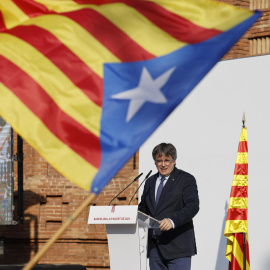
column 170, row 196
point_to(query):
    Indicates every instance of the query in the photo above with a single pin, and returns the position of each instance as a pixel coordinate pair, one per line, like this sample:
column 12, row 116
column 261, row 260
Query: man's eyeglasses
column 166, row 161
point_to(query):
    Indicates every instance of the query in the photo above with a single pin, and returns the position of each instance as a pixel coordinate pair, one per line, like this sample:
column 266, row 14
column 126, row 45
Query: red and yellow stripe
column 236, row 223
column 52, row 54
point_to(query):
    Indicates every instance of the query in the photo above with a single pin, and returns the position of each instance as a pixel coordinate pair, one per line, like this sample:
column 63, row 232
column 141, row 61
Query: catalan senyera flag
column 86, row 82
column 236, row 223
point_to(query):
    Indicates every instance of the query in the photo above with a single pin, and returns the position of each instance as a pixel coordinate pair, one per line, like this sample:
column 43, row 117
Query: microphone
column 140, row 185
column 135, row 179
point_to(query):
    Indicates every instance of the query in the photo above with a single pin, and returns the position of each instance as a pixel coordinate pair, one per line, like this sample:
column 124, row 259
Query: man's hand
column 165, row 224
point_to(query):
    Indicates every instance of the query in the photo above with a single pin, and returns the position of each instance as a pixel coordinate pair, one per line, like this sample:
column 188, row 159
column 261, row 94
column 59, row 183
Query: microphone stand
column 135, row 179
column 140, row 185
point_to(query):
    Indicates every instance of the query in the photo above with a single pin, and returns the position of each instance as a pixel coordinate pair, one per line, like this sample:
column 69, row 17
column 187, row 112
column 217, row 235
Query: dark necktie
column 159, row 190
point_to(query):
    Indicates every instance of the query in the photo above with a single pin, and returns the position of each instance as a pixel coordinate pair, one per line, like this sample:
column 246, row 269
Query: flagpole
column 244, row 253
column 234, row 231
column 61, row 230
column 244, row 234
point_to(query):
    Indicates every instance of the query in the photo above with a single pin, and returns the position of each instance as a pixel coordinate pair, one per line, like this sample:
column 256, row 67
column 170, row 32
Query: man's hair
column 166, row 149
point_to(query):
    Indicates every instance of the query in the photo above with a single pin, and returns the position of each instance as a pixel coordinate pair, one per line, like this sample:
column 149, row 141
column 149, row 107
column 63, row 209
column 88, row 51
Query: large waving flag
column 236, row 229
column 86, row 82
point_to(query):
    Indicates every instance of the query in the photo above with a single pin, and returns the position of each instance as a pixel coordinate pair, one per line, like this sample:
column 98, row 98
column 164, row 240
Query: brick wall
column 256, row 41
column 49, row 198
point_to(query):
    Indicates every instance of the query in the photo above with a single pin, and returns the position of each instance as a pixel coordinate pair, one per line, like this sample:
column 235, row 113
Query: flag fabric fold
column 236, row 223
column 86, row 82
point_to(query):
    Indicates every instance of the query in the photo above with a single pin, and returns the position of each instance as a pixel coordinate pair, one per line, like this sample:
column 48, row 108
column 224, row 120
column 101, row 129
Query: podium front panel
column 124, row 246
column 123, row 235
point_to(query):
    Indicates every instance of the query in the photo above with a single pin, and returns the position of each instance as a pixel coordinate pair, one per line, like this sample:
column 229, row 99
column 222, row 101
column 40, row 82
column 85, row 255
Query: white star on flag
column 147, row 90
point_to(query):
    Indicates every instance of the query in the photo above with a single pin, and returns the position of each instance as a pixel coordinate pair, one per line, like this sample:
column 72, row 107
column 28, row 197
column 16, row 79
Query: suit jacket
column 179, row 201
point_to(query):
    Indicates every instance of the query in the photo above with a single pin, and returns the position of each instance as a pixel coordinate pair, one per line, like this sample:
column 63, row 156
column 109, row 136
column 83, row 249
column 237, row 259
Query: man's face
column 164, row 164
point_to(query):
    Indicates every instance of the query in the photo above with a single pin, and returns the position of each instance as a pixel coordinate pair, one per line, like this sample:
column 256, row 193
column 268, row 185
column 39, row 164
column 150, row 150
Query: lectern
column 127, row 231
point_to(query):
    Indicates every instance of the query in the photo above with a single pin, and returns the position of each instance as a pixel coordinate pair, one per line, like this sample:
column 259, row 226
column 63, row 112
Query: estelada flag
column 236, row 223
column 86, row 82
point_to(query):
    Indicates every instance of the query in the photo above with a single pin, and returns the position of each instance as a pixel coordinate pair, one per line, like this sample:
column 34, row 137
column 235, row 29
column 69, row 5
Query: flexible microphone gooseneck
column 135, row 179
column 140, row 185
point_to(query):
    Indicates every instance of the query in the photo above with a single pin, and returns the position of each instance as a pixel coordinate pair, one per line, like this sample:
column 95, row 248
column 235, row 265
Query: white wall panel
column 205, row 129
